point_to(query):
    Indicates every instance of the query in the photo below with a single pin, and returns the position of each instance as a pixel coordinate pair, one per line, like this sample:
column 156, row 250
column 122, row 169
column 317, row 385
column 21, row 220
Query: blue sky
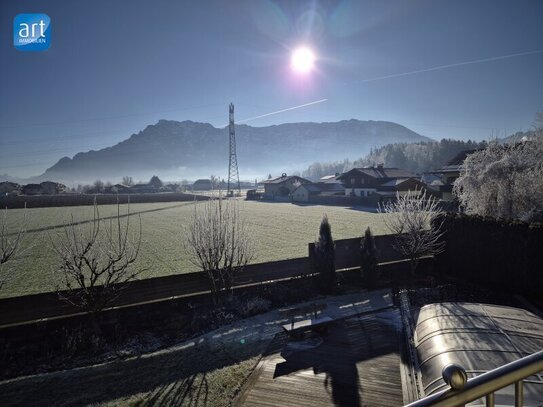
column 116, row 66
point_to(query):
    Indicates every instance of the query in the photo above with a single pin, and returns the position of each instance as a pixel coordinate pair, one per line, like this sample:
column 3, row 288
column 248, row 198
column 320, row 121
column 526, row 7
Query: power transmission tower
column 233, row 174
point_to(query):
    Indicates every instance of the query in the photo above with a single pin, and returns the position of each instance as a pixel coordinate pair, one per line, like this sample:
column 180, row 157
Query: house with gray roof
column 280, row 188
column 312, row 191
column 449, row 173
column 364, row 182
column 9, row 188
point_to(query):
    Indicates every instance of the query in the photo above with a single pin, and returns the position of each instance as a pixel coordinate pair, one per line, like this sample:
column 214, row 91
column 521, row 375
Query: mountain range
column 188, row 150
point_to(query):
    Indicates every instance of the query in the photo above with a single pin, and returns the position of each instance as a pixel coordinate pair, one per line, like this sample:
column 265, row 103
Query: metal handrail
column 463, row 391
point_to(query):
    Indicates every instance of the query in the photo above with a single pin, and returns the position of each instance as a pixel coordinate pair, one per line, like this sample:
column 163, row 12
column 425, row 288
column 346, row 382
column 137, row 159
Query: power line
column 281, row 111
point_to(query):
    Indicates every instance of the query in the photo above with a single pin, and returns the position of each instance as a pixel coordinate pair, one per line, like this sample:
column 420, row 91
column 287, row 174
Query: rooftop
column 283, row 178
column 382, row 172
column 318, row 187
column 394, row 182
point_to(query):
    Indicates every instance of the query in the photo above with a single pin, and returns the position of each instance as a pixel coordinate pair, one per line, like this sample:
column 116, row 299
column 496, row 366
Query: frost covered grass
column 196, row 375
column 280, row 231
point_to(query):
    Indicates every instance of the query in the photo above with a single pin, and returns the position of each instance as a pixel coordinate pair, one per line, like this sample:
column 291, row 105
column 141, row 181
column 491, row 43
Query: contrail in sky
column 436, row 68
column 279, row 111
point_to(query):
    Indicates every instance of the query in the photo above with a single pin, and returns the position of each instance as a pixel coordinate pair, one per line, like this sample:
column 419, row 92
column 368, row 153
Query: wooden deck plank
column 358, row 364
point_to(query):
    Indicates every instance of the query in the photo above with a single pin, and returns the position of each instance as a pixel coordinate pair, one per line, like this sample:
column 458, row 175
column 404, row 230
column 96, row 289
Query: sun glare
column 302, row 60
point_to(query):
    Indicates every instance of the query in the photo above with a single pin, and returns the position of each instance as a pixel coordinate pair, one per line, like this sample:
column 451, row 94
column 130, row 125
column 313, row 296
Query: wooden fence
column 36, row 307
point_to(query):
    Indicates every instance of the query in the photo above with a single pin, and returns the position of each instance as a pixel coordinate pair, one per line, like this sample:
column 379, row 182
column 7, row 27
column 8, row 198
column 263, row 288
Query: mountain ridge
column 190, row 149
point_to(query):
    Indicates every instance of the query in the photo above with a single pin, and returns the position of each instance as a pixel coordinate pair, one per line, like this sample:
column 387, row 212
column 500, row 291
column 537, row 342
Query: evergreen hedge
column 493, row 252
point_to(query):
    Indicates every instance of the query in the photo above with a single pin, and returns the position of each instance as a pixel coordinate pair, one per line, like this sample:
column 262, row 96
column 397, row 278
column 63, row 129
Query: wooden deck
column 357, row 364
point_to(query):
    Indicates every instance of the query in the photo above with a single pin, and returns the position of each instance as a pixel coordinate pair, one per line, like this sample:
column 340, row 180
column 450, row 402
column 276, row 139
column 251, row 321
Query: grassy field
column 281, row 231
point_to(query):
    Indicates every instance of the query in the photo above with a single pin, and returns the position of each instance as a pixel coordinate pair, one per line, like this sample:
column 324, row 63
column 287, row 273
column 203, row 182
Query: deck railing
column 464, row 391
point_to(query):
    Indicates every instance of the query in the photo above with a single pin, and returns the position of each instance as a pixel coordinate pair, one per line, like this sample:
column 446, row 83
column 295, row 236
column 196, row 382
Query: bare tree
column 219, row 242
column 10, row 240
column 410, row 218
column 128, row 181
column 215, row 182
column 98, row 186
column 96, row 260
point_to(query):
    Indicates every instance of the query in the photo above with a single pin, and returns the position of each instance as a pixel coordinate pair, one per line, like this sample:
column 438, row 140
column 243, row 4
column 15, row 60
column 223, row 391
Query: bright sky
column 116, row 66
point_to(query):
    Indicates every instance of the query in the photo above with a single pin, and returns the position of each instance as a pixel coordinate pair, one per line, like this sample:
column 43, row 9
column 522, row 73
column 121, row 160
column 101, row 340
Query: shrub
column 254, row 306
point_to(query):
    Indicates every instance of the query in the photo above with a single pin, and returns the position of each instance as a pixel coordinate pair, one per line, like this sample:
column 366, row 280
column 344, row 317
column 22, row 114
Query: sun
column 302, row 59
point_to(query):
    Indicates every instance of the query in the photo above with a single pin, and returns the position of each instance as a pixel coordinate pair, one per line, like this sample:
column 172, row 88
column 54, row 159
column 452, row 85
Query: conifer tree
column 325, row 251
column 368, row 259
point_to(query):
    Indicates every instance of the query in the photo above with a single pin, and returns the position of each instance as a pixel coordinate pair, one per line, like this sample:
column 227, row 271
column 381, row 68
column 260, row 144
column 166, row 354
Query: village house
column 255, row 194
column 363, row 182
column 282, row 187
column 170, row 187
column 9, row 188
column 327, row 186
column 202, row 185
column 45, row 188
column 449, row 173
column 52, row 188
column 142, row 189
column 117, row 189
column 312, row 191
column 400, row 186
column 32, row 189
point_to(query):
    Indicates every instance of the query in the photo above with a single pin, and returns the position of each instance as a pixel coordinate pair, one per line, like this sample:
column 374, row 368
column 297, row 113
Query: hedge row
column 42, row 201
column 493, row 252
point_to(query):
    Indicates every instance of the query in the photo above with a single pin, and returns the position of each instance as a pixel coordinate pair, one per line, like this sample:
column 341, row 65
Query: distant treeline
column 416, row 157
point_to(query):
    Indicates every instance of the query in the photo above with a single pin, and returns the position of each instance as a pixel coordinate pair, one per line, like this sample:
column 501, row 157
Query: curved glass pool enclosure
column 479, row 338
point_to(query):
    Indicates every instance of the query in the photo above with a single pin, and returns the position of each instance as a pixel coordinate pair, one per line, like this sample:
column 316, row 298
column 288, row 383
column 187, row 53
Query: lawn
column 280, row 230
column 197, row 375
